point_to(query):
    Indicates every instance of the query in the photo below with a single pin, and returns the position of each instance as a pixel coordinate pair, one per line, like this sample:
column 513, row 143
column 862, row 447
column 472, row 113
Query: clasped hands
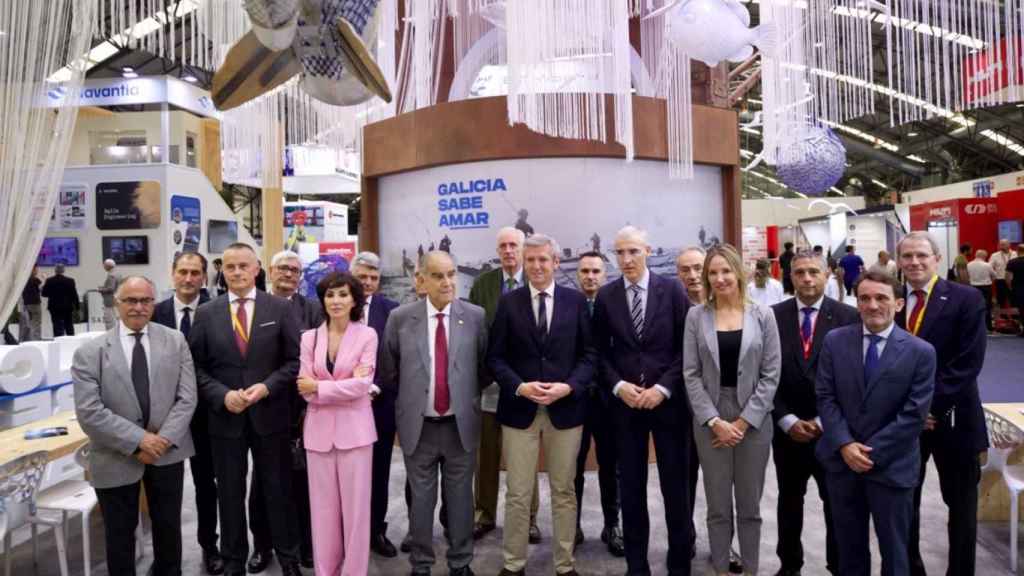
column 804, row 431
column 237, row 401
column 640, row 398
column 544, row 393
column 152, row 448
column 728, row 434
column 856, row 456
column 309, row 386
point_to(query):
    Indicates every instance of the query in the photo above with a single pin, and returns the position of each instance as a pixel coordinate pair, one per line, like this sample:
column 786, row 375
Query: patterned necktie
column 542, row 314
column 806, row 330
column 140, row 377
column 871, row 358
column 637, row 312
column 510, row 285
column 186, row 321
column 590, row 307
column 915, row 314
column 241, row 325
column 441, row 396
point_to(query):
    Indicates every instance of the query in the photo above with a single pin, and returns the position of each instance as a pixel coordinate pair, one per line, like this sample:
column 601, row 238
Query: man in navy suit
column 950, row 317
column 366, row 268
column 803, row 323
column 874, row 386
column 188, row 273
column 542, row 358
column 639, row 323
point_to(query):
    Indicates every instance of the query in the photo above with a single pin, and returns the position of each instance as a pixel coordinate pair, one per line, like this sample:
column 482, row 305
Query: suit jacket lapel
column 822, row 325
column 710, row 334
column 892, row 350
column 223, row 318
column 622, row 296
column 655, row 291
column 157, row 346
column 747, row 336
column 456, row 325
column 936, row 302
column 420, row 324
column 856, row 346
column 120, row 366
column 345, row 351
column 524, row 301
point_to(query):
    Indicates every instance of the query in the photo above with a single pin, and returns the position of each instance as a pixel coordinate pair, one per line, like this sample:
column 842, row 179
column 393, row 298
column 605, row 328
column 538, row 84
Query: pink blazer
column 339, row 414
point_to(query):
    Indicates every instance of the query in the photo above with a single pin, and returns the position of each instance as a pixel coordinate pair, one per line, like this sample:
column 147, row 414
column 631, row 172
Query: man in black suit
column 639, row 323
column 366, row 268
column 950, row 317
column 803, row 323
column 188, row 273
column 541, row 355
column 597, row 425
column 285, row 273
column 62, row 301
column 246, row 349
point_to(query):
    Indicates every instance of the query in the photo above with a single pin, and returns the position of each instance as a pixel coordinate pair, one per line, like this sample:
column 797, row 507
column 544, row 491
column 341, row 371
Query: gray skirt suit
column 738, row 469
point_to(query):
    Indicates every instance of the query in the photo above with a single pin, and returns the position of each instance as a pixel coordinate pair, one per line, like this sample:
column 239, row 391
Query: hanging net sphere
column 814, row 163
column 318, row 270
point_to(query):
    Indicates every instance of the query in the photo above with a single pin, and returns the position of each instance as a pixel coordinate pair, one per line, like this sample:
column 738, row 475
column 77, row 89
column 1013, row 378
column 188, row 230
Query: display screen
column 220, row 235
column 128, row 205
column 58, row 251
column 1011, row 230
column 126, row 249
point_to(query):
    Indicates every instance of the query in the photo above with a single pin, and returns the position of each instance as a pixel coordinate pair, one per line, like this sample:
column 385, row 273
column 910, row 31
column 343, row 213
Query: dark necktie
column 441, row 396
column 186, row 321
column 542, row 314
column 871, row 358
column 590, row 307
column 242, row 327
column 140, row 377
column 915, row 314
column 636, row 312
column 807, row 330
column 510, row 285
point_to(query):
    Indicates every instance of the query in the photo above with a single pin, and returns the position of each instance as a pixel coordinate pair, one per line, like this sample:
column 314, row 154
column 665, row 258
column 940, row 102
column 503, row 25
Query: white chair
column 68, row 497
column 19, row 480
column 1013, row 475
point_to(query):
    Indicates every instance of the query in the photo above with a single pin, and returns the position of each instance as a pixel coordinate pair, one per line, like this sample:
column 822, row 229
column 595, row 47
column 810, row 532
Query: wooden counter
column 13, row 443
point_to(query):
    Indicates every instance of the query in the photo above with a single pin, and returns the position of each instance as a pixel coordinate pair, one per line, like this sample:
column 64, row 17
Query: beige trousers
column 521, row 449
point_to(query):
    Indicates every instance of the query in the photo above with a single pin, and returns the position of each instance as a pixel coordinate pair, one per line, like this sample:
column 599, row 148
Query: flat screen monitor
column 58, row 251
column 220, row 235
column 1011, row 230
column 130, row 250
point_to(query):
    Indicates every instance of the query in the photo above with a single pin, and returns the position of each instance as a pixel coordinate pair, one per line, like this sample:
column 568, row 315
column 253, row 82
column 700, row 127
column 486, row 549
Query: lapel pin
column 460, row 322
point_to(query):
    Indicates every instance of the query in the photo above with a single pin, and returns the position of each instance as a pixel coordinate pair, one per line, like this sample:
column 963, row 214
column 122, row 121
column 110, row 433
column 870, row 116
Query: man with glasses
column 135, row 392
column 188, row 274
column 285, row 274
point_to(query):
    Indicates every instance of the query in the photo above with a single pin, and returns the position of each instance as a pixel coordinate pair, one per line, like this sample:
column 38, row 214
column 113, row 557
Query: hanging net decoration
column 813, row 164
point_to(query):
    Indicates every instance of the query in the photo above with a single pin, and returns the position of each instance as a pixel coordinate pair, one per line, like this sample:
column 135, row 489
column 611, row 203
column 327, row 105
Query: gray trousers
column 30, row 324
column 738, row 470
column 440, row 450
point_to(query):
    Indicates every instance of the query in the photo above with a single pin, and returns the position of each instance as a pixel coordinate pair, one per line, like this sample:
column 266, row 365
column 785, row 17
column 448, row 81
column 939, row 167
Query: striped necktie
column 636, row 311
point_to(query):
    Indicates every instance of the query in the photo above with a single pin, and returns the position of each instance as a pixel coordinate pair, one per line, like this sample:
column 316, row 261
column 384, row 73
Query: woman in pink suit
column 338, row 361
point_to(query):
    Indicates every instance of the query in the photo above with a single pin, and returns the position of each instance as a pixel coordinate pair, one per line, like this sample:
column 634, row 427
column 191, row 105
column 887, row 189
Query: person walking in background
column 785, row 264
column 803, row 322
column 30, row 321
column 62, row 301
column 731, row 364
column 338, row 361
column 597, row 424
column 219, row 285
column 764, row 289
column 885, row 264
column 1015, row 280
column 852, row 265
column 999, row 260
column 982, row 275
column 135, row 391
column 107, row 290
column 874, row 384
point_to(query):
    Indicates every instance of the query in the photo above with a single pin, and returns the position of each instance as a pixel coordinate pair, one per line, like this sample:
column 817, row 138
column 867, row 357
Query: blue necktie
column 871, row 358
column 186, row 321
column 806, row 328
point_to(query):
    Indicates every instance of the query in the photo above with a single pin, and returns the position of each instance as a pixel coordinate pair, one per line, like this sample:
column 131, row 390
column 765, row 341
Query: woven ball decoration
column 814, row 163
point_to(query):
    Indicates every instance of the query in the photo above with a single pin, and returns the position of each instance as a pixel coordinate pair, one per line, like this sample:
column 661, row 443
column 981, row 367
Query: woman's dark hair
column 355, row 288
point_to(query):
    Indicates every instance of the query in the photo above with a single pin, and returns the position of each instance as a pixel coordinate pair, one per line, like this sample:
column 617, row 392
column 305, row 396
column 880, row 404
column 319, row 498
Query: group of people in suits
column 858, row 399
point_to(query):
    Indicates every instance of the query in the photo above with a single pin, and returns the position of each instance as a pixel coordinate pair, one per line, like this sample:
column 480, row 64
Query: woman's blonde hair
column 732, row 257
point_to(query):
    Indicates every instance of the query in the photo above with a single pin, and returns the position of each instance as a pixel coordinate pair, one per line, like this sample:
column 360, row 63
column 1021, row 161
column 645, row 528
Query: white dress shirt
column 179, row 310
column 128, row 346
column 365, row 318
column 250, row 306
column 432, row 313
column 549, row 306
column 770, row 295
column 881, row 343
column 643, row 284
column 787, row 421
column 998, row 262
column 980, row 273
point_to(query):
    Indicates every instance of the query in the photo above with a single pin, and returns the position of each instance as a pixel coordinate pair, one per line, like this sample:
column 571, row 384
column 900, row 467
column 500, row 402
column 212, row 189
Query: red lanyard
column 808, row 342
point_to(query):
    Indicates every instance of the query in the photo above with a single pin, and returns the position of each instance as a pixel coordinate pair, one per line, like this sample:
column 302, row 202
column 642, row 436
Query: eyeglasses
column 289, row 269
column 136, row 301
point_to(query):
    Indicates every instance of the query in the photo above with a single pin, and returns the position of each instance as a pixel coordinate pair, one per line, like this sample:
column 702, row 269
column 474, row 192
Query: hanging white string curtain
column 36, row 40
column 160, row 27
column 564, row 56
column 949, row 55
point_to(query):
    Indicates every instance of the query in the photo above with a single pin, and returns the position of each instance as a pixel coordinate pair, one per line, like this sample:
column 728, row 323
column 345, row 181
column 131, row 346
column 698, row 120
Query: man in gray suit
column 135, row 392
column 432, row 361
column 107, row 291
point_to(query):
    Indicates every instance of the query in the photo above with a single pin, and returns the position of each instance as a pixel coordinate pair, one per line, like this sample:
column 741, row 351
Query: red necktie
column 441, row 399
column 241, row 327
column 916, row 312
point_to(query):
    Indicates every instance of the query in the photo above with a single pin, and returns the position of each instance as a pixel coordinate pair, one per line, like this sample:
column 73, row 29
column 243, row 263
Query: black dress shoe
column 507, row 572
column 612, row 536
column 290, row 570
column 406, row 545
column 420, row 573
column 480, row 530
column 464, row 571
column 787, row 572
column 306, row 562
column 569, row 573
column 259, row 561
column 213, row 563
column 735, row 566
column 382, row 546
column 534, row 534
column 579, row 536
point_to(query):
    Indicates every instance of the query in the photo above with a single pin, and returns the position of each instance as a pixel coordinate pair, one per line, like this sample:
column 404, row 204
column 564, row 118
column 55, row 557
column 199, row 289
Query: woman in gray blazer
column 731, row 364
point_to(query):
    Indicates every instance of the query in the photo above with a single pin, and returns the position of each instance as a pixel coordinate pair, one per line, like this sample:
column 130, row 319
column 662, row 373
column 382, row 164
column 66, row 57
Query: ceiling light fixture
column 130, row 75
column 190, row 78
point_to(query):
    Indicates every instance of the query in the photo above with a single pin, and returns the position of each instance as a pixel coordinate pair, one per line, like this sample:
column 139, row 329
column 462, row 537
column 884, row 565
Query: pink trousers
column 339, row 504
